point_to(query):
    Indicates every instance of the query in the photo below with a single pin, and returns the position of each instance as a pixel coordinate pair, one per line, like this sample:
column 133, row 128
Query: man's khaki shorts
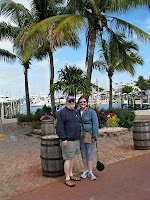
column 72, row 149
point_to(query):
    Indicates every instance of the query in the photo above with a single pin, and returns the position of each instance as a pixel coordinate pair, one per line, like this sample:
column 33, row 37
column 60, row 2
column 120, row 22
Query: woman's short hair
column 83, row 97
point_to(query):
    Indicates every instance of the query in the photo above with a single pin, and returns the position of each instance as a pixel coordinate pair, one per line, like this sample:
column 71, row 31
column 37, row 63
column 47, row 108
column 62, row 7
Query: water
column 23, row 109
column 34, row 109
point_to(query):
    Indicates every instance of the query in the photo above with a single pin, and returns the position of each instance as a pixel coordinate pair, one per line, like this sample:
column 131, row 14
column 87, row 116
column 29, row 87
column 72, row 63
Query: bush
column 36, row 116
column 112, row 122
column 36, row 125
column 102, row 119
column 126, row 117
column 25, row 118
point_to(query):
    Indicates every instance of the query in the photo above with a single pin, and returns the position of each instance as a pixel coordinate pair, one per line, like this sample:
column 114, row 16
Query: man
column 68, row 130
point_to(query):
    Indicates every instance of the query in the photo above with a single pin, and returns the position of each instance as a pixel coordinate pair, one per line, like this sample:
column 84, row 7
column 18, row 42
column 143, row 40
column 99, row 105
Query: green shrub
column 126, row 117
column 55, row 123
column 25, row 118
column 36, row 125
column 36, row 116
column 47, row 110
column 112, row 122
column 102, row 119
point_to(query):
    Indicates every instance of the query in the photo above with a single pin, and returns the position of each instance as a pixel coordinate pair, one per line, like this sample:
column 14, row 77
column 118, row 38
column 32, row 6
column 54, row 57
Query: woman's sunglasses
column 82, row 102
column 71, row 101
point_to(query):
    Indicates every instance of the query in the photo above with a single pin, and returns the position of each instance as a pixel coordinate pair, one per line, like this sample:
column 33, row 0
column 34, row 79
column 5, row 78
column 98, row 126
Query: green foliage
column 36, row 124
column 24, row 118
column 55, row 123
column 73, row 80
column 94, row 106
column 126, row 117
column 142, row 83
column 36, row 116
column 112, row 122
column 127, row 89
column 102, row 119
column 47, row 110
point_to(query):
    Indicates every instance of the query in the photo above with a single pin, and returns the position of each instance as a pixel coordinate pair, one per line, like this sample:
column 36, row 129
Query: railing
column 9, row 109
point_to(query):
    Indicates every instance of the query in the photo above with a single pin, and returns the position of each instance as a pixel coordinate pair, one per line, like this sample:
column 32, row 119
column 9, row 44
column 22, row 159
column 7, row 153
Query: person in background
column 68, row 130
column 90, row 124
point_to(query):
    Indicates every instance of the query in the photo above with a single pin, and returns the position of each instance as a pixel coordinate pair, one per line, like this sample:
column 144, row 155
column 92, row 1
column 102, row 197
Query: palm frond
column 17, row 13
column 124, row 5
column 8, row 32
column 124, row 26
column 7, row 56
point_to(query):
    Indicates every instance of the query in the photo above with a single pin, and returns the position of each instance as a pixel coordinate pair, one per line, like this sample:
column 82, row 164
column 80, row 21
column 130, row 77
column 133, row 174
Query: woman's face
column 83, row 103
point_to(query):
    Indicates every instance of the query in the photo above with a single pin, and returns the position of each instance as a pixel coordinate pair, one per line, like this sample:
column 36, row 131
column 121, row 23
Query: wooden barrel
column 51, row 156
column 141, row 134
column 47, row 127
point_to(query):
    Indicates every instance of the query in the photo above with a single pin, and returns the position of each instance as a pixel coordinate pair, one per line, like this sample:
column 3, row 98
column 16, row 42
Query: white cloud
column 11, row 79
column 7, row 45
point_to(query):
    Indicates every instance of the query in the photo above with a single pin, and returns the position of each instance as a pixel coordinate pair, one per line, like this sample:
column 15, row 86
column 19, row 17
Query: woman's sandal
column 74, row 178
column 69, row 183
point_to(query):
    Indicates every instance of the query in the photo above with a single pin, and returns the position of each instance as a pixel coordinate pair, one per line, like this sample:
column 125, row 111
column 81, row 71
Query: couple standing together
column 70, row 125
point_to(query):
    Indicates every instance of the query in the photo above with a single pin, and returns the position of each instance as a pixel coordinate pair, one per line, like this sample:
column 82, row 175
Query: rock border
column 112, row 131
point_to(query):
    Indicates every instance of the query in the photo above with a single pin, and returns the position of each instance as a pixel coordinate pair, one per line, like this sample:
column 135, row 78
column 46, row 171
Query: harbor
column 10, row 107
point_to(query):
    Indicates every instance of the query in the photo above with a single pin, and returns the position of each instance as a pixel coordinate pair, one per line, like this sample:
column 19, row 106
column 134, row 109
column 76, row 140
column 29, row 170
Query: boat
column 40, row 100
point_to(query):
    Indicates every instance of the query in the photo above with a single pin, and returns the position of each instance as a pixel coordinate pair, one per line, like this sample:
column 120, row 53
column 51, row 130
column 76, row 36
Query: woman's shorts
column 72, row 149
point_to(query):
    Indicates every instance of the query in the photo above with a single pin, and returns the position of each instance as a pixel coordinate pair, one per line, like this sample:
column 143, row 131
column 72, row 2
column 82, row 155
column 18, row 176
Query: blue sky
column 12, row 76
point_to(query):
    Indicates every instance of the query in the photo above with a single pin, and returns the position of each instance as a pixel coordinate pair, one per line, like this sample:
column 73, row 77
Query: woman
column 90, row 124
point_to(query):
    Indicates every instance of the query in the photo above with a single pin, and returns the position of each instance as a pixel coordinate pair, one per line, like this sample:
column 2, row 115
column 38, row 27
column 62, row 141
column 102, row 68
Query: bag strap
column 82, row 122
column 97, row 152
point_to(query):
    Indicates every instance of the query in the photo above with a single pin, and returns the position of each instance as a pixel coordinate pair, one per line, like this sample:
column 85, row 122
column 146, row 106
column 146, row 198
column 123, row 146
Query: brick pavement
column 20, row 168
column 124, row 180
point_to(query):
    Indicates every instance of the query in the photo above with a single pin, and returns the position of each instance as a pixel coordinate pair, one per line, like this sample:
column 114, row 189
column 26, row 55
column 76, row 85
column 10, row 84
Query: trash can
column 51, row 156
column 141, row 134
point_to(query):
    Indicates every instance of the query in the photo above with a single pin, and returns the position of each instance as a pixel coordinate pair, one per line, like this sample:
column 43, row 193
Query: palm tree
column 40, row 10
column 118, row 55
column 92, row 16
column 21, row 17
column 72, row 81
column 97, row 14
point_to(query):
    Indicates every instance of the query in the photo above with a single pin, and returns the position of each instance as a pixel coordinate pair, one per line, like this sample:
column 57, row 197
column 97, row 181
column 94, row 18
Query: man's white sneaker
column 92, row 176
column 85, row 174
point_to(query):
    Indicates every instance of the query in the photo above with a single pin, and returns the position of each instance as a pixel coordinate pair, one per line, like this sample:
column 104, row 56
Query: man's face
column 70, row 104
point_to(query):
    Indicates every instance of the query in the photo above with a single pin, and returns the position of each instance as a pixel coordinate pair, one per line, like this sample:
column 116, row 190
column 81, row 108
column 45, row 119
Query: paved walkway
column 125, row 180
column 126, row 175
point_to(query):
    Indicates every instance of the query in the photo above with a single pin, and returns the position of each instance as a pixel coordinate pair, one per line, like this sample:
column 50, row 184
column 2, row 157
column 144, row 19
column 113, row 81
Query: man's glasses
column 71, row 101
column 82, row 102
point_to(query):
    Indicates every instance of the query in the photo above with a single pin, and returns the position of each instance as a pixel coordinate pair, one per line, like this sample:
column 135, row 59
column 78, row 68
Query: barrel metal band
column 53, row 139
column 53, row 171
column 147, row 147
column 50, row 145
column 51, row 158
column 141, row 140
column 142, row 132
column 142, row 123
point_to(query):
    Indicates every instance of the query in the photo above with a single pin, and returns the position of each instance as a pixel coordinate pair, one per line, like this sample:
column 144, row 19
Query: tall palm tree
column 98, row 14
column 93, row 16
column 118, row 55
column 39, row 10
column 21, row 17
column 73, row 80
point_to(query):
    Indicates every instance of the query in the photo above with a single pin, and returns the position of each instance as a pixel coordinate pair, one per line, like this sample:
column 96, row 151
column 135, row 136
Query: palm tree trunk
column 110, row 92
column 51, row 82
column 91, row 53
column 26, row 67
